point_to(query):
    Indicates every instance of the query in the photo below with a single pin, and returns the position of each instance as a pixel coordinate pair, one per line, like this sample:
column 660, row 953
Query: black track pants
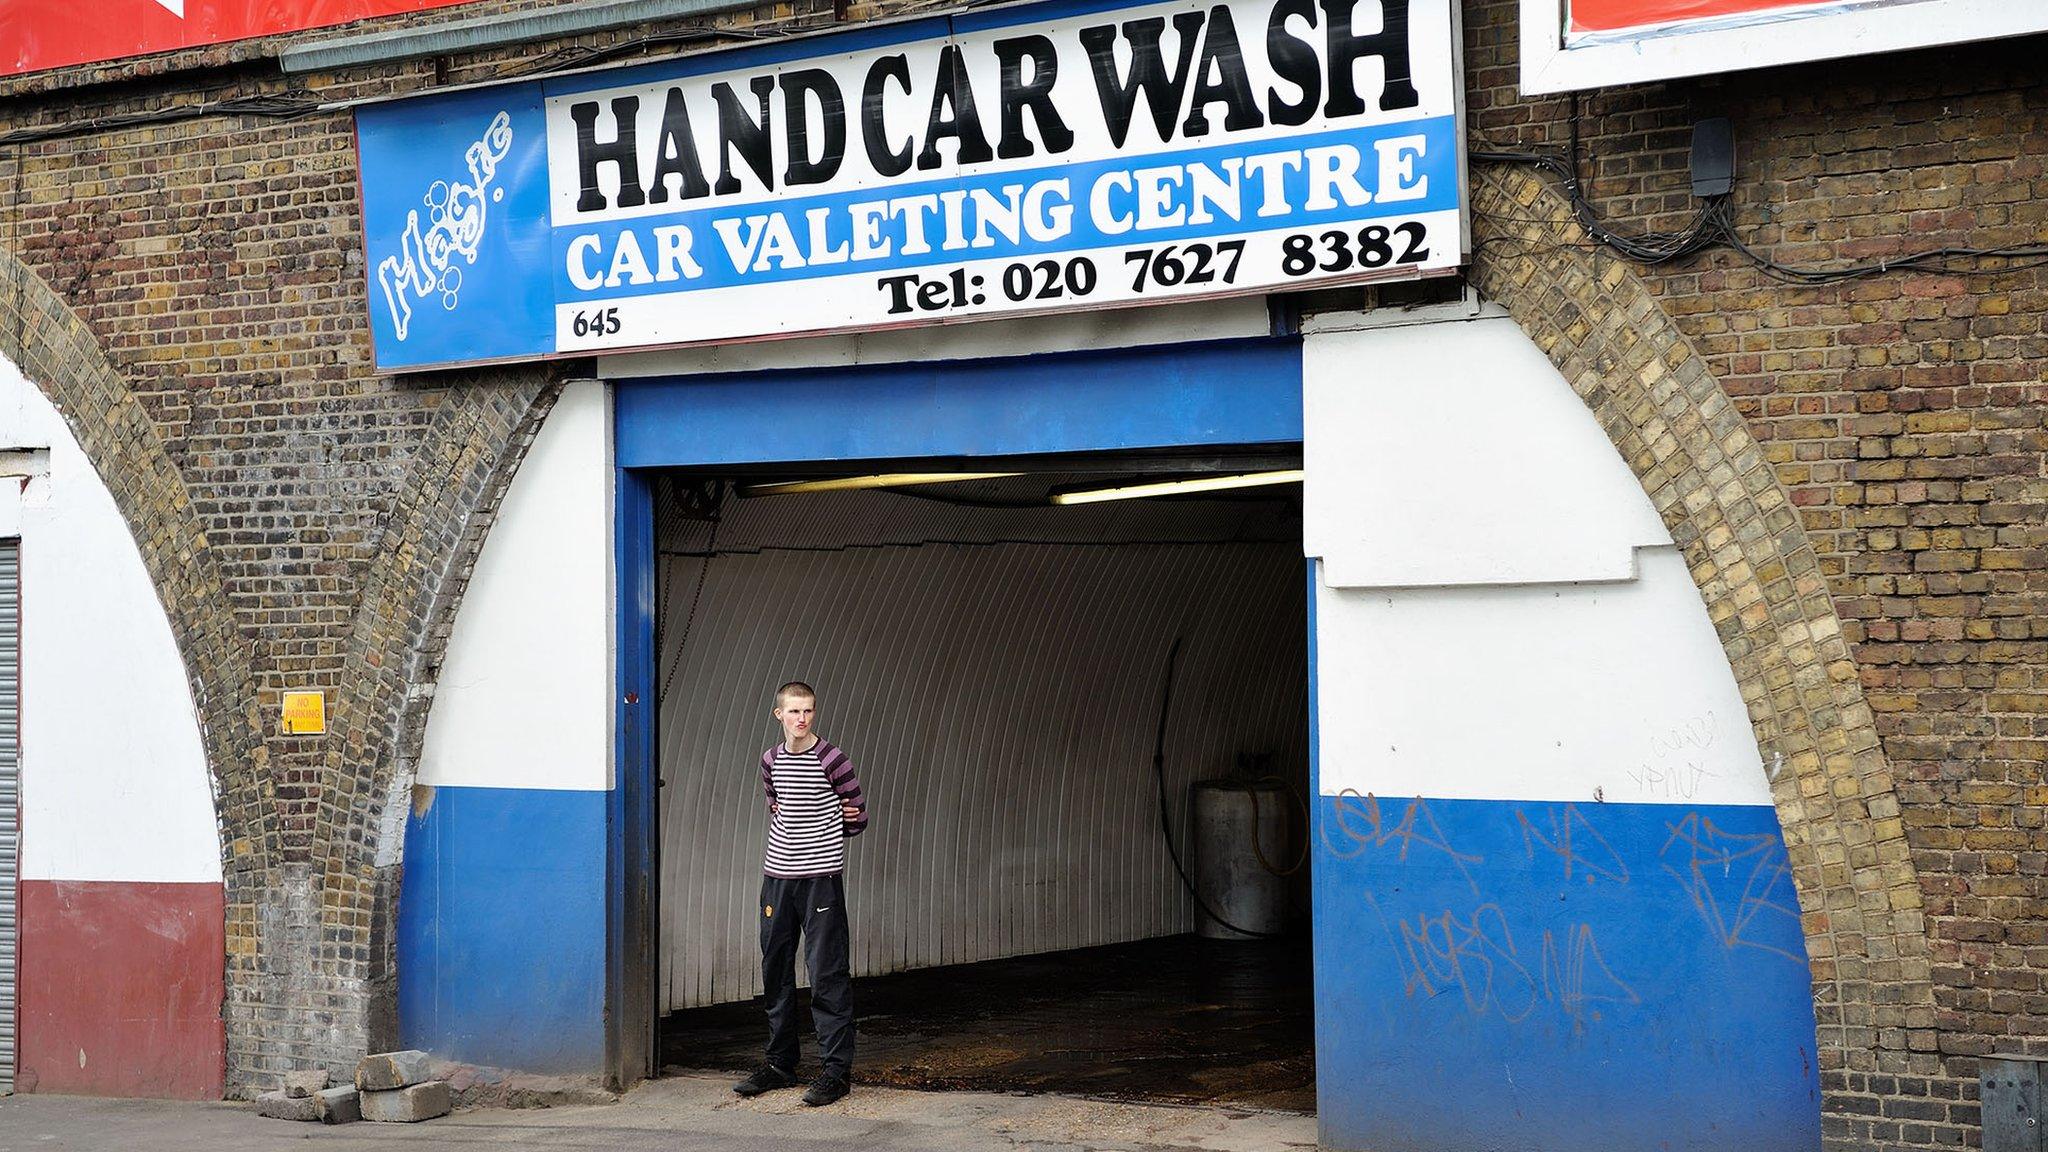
column 815, row 906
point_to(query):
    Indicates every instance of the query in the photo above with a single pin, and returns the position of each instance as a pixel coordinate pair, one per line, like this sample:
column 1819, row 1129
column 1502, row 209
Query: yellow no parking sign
column 305, row 713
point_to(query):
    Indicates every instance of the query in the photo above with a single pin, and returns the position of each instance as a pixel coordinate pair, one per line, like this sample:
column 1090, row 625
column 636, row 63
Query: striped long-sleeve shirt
column 807, row 832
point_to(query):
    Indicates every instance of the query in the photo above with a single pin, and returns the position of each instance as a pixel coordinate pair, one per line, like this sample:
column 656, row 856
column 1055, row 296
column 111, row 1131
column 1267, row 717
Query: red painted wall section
column 121, row 988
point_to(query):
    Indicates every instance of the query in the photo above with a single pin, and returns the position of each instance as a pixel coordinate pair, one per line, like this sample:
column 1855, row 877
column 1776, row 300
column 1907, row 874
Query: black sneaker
column 825, row 1089
column 766, row 1078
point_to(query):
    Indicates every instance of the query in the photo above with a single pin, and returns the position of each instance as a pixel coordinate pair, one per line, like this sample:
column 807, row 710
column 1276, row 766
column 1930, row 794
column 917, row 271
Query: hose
column 1165, row 823
column 1257, row 849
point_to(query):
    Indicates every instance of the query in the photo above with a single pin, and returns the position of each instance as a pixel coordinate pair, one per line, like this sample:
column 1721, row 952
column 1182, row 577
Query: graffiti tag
column 1476, row 957
column 1569, row 836
column 1363, row 825
column 1697, row 852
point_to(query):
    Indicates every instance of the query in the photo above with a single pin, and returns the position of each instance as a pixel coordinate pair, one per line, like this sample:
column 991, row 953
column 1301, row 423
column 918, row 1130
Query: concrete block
column 279, row 1106
column 340, row 1105
column 387, row 1070
column 301, row 1084
column 408, row 1105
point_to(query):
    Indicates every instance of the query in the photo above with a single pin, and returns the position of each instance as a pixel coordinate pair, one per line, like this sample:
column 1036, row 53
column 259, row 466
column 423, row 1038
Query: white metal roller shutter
column 10, row 798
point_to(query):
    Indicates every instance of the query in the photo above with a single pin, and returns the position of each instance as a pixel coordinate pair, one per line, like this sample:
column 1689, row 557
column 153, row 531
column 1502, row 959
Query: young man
column 814, row 806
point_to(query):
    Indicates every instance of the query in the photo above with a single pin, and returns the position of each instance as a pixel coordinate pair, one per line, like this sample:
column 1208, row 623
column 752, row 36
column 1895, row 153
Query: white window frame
column 1670, row 52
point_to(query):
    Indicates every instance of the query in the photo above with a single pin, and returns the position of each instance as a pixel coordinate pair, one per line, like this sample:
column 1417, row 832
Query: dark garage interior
column 992, row 643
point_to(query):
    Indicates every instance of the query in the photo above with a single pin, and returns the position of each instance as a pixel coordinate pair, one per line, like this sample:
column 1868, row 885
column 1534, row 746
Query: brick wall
column 318, row 520
column 214, row 267
column 1904, row 415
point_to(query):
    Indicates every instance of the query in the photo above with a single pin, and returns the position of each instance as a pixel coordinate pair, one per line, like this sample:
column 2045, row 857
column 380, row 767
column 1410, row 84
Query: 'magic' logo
column 425, row 263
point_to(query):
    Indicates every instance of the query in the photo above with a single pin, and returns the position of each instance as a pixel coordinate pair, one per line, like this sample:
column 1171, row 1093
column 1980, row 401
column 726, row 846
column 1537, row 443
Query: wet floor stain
column 1178, row 1019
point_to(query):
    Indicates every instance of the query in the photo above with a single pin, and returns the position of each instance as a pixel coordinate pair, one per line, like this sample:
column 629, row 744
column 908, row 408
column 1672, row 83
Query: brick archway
column 398, row 637
column 306, row 933
column 1648, row 387
column 58, row 353
column 1761, row 580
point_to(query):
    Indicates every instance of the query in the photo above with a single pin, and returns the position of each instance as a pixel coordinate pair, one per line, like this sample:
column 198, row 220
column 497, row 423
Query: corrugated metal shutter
column 10, row 797
column 996, row 675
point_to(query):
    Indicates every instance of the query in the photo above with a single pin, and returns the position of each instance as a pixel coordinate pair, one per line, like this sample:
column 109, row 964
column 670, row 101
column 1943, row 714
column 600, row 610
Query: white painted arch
column 115, row 785
column 1500, row 612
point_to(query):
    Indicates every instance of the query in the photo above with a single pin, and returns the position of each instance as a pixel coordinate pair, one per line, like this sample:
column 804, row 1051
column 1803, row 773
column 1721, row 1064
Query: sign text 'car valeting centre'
column 1032, row 158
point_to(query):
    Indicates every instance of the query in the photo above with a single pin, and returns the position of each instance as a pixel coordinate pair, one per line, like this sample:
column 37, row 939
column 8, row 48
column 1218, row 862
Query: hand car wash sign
column 1032, row 158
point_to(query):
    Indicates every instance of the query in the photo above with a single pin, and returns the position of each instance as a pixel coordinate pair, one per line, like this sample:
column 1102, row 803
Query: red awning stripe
column 39, row 34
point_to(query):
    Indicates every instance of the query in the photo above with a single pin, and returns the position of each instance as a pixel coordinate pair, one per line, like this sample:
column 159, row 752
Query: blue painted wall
column 1549, row 977
column 501, row 929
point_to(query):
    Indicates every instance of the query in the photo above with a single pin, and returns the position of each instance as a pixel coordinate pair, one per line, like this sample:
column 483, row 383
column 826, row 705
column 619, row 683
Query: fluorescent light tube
column 1179, row 487
column 855, row 483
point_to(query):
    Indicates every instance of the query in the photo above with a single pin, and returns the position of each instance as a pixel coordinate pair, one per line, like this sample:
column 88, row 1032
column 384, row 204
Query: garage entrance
column 997, row 664
column 1032, row 658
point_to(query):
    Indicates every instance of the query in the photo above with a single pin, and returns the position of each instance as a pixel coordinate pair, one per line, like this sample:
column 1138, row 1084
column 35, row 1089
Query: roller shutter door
column 10, row 799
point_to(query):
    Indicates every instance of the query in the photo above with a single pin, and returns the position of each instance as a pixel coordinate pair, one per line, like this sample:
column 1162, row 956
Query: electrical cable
column 1713, row 226
column 2018, row 257
column 274, row 105
column 711, row 552
column 1650, row 248
column 1165, row 823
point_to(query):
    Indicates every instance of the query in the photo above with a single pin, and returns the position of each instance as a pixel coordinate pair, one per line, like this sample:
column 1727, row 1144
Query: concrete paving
column 679, row 1114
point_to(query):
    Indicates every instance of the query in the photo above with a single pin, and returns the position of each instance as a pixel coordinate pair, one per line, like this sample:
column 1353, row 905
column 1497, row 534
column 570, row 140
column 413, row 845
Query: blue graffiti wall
column 1539, row 976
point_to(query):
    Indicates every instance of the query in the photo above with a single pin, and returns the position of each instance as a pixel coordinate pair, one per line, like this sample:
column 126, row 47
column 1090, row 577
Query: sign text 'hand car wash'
column 1033, row 158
